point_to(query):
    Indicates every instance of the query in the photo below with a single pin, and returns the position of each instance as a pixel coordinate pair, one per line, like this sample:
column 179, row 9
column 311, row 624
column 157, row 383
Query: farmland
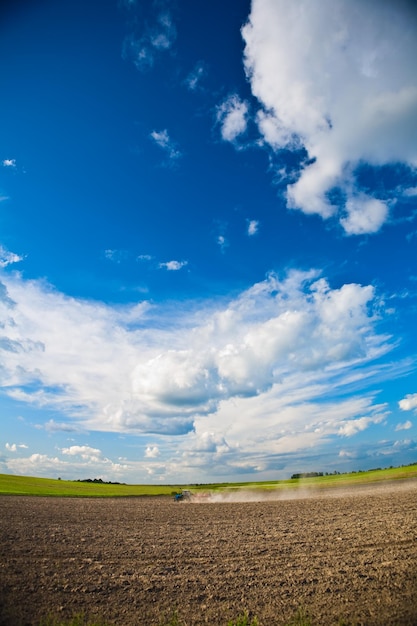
column 345, row 555
column 32, row 486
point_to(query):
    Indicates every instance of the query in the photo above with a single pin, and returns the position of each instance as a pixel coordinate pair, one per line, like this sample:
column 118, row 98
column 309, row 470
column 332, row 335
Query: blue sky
column 208, row 232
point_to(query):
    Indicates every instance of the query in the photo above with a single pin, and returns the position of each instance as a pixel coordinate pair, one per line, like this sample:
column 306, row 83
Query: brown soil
column 350, row 557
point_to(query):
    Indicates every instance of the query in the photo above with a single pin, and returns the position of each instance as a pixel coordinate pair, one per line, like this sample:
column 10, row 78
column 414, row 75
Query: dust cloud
column 299, row 492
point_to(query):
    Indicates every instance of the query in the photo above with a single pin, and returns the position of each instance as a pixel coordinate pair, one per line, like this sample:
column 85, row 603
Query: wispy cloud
column 9, row 163
column 116, row 256
column 253, row 227
column 404, row 425
column 195, row 77
column 8, row 258
column 338, row 80
column 52, row 426
column 144, row 257
column 173, row 266
column 158, row 37
column 232, row 116
column 163, row 140
column 222, row 242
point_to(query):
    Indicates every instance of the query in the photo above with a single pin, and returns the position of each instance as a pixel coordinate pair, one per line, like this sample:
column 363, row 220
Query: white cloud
column 35, row 465
column 143, row 369
column 364, row 215
column 11, row 447
column 409, row 402
column 253, row 227
column 9, row 163
column 79, row 465
column 352, row 427
column 8, row 258
column 338, row 79
column 85, row 452
column 404, row 426
column 410, row 192
column 232, row 115
column 152, row 452
column 173, row 266
column 163, row 140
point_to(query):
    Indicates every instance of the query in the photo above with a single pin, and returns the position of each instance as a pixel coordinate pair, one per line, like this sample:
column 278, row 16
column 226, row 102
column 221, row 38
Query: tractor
column 182, row 495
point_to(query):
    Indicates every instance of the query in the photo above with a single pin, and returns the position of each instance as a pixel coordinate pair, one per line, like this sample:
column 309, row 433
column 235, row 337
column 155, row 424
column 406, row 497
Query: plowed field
column 346, row 555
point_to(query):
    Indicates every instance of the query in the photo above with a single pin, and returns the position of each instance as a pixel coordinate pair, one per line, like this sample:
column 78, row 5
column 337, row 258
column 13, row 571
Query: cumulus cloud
column 13, row 447
column 338, row 80
column 364, row 215
column 353, row 427
column 143, row 369
column 409, row 402
column 36, row 464
column 152, row 452
column 232, row 115
column 8, row 258
column 85, row 452
column 76, row 464
column 163, row 140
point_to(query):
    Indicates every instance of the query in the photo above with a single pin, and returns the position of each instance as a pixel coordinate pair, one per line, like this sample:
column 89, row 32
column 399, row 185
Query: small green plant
column 301, row 618
column 174, row 621
column 243, row 620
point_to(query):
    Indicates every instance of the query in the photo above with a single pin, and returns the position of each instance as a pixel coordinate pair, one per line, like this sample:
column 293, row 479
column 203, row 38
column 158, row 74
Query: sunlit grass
column 26, row 485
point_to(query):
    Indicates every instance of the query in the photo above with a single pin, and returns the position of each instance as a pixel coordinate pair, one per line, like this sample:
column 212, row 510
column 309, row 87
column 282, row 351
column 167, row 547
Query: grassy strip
column 25, row 485
column 29, row 486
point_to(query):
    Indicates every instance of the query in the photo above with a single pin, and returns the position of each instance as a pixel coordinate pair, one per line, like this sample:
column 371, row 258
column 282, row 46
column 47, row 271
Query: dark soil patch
column 135, row 561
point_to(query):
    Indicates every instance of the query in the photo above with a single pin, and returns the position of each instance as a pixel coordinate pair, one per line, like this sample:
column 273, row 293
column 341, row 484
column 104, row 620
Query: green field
column 26, row 485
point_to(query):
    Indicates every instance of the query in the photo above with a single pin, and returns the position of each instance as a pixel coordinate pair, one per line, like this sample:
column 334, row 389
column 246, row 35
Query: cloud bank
column 338, row 80
column 144, row 369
